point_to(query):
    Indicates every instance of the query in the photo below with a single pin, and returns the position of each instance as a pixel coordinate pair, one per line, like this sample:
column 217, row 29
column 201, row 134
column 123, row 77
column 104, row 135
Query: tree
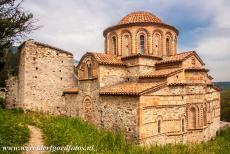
column 15, row 24
column 225, row 105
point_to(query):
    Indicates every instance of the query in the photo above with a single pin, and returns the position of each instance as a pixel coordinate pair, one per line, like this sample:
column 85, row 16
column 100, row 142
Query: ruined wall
column 11, row 92
column 43, row 74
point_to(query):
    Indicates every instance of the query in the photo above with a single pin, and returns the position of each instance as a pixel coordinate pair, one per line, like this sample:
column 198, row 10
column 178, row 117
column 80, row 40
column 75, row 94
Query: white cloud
column 77, row 25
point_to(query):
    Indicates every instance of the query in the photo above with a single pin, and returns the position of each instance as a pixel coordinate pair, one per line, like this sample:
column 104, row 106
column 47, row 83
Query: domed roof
column 139, row 17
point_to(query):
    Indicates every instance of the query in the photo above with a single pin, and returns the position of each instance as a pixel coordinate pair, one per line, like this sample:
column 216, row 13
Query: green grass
column 62, row 131
column 13, row 132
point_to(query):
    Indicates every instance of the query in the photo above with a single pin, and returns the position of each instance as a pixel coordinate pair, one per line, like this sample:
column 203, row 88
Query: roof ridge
column 49, row 46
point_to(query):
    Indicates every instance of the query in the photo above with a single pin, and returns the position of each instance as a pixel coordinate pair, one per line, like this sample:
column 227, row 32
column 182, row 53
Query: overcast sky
column 77, row 25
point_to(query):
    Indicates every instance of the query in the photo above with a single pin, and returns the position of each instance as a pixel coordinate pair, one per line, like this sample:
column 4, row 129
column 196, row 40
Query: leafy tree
column 225, row 105
column 15, row 23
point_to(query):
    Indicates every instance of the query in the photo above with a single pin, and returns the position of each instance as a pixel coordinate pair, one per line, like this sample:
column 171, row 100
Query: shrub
column 2, row 103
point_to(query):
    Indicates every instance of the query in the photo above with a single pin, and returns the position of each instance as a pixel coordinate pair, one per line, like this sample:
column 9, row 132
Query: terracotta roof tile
column 196, row 69
column 176, row 58
column 141, row 55
column 139, row 17
column 130, row 88
column 73, row 90
column 103, row 58
column 161, row 73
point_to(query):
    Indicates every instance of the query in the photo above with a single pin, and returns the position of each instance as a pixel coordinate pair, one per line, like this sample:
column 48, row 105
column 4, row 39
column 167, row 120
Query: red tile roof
column 139, row 17
column 141, row 55
column 179, row 57
column 161, row 73
column 131, row 88
column 73, row 90
column 196, row 69
column 108, row 59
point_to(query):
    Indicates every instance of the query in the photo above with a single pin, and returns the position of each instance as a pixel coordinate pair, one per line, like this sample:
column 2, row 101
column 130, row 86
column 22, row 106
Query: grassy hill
column 62, row 131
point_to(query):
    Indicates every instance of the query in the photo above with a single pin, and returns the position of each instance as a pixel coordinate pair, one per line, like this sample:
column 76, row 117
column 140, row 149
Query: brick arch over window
column 113, row 43
column 193, row 113
column 142, row 37
column 126, row 43
column 88, row 109
column 169, row 44
column 157, row 42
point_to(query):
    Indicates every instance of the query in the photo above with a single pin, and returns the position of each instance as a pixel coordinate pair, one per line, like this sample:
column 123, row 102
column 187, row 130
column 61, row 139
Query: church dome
column 139, row 17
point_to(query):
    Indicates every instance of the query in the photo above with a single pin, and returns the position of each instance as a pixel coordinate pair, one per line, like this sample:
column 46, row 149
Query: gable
column 87, row 68
column 192, row 61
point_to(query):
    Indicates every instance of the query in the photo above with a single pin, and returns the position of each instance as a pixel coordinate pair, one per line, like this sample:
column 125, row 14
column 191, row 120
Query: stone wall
column 110, row 112
column 120, row 113
column 111, row 75
column 12, row 92
column 43, row 74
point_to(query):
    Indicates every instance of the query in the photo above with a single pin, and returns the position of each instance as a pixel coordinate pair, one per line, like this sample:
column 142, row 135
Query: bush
column 2, row 103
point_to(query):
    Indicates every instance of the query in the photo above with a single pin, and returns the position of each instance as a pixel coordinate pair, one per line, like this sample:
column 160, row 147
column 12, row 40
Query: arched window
column 182, row 125
column 89, row 70
column 192, row 118
column 157, row 43
column 114, row 45
column 126, row 44
column 168, row 46
column 142, row 44
column 159, row 126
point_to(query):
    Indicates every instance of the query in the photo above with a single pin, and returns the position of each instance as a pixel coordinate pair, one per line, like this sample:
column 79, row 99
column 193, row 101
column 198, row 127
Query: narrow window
column 159, row 126
column 114, row 44
column 89, row 69
column 168, row 46
column 142, row 44
column 182, row 125
column 193, row 117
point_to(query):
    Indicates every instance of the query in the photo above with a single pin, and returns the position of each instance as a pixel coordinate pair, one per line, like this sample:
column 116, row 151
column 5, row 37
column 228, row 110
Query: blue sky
column 77, row 25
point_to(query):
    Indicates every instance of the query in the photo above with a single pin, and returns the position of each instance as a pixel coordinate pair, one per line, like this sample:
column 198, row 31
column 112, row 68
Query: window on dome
column 142, row 44
column 167, row 46
column 114, row 45
column 126, row 44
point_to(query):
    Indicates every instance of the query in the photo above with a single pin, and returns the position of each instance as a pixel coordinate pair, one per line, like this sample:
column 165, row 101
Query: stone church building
column 140, row 85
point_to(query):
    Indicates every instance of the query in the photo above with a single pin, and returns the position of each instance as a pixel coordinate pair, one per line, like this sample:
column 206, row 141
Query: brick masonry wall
column 171, row 105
